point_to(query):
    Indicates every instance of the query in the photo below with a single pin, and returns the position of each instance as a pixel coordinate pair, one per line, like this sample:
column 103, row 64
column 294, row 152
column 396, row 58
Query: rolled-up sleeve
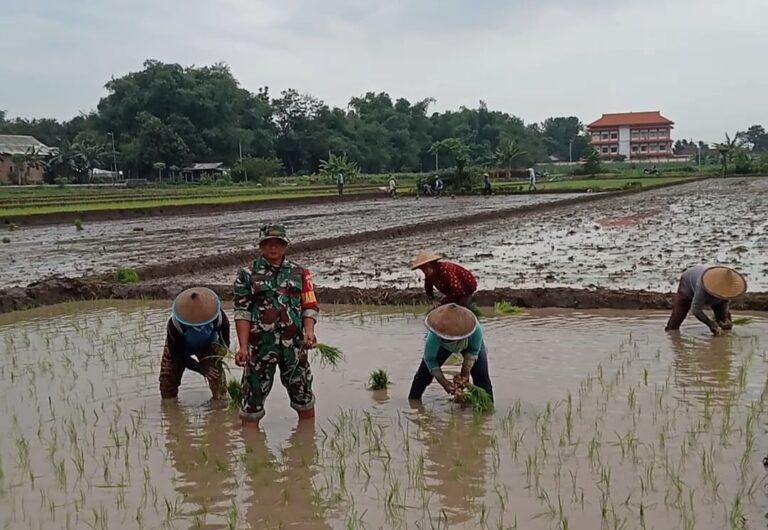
column 431, row 349
column 243, row 296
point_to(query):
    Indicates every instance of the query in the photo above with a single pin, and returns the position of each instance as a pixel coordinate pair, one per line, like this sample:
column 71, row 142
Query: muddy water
column 34, row 253
column 602, row 420
column 636, row 242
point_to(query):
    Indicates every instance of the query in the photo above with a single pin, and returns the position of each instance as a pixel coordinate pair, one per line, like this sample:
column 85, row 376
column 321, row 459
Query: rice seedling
column 78, row 225
column 506, row 308
column 328, row 355
column 127, row 275
column 475, row 398
column 378, row 380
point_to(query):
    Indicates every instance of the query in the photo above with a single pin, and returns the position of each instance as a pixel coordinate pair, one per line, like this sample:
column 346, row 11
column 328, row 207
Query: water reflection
column 281, row 490
column 455, row 460
column 199, row 444
column 703, row 364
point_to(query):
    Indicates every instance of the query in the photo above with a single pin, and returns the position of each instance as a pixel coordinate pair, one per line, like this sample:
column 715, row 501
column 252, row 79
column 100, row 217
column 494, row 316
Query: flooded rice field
column 641, row 241
column 37, row 252
column 602, row 421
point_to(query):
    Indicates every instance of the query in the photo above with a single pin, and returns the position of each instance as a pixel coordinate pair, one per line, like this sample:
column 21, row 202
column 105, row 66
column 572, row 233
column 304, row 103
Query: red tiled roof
column 631, row 118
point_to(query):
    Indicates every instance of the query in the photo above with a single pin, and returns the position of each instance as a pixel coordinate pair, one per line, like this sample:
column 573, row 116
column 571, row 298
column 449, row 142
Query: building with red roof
column 632, row 135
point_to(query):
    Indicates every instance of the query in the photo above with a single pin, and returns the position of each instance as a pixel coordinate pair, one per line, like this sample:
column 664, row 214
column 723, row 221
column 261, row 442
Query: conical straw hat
column 724, row 282
column 424, row 257
column 451, row 322
column 196, row 306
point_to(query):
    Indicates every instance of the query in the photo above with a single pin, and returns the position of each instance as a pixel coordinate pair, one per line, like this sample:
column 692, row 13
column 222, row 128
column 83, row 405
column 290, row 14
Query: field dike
column 59, row 290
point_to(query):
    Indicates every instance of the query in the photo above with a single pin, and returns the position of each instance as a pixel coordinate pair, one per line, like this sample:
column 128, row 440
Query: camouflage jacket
column 275, row 299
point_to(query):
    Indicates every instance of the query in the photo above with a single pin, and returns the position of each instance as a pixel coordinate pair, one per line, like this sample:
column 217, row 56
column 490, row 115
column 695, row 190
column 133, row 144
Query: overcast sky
column 701, row 62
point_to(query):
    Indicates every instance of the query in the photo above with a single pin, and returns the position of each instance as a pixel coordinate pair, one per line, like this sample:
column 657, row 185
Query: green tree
column 508, row 153
column 339, row 164
column 254, row 169
column 592, row 164
column 564, row 137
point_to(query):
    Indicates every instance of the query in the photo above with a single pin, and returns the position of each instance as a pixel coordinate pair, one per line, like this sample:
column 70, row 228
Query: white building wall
column 624, row 141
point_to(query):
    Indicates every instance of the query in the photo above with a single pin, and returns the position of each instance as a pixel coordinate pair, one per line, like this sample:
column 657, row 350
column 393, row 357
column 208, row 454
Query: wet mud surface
column 641, row 241
column 34, row 253
column 597, row 415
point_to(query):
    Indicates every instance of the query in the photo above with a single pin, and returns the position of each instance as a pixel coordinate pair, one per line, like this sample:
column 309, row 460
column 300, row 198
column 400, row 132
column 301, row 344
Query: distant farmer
column 392, row 187
column 340, row 183
column 707, row 286
column 487, row 190
column 455, row 282
column 452, row 329
column 275, row 314
column 439, row 186
column 531, row 179
column 197, row 338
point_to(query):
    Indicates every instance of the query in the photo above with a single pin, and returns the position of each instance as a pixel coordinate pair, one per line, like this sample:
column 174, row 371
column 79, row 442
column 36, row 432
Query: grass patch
column 505, row 308
column 127, row 275
column 378, row 380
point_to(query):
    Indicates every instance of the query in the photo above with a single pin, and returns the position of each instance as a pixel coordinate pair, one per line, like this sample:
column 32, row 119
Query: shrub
column 256, row 169
column 127, row 275
column 205, row 180
column 224, row 180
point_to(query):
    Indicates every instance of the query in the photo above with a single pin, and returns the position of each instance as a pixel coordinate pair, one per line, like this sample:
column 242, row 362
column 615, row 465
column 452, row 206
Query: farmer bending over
column 452, row 329
column 452, row 280
column 707, row 286
column 197, row 338
column 275, row 313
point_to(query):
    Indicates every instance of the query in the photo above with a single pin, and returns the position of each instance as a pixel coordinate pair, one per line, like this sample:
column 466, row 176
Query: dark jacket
column 179, row 351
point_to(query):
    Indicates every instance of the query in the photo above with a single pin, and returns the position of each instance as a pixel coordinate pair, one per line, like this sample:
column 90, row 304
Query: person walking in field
column 275, row 314
column 487, row 189
column 340, row 183
column 392, row 187
column 197, row 338
column 456, row 283
column 703, row 286
column 451, row 329
column 531, row 179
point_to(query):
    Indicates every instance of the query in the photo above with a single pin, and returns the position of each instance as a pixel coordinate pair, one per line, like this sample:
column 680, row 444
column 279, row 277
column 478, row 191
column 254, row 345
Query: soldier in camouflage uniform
column 275, row 314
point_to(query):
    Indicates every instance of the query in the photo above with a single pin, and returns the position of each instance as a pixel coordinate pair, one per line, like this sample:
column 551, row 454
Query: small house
column 214, row 170
column 22, row 159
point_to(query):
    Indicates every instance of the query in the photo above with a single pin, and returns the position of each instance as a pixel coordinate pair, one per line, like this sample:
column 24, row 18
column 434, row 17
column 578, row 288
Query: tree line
column 169, row 116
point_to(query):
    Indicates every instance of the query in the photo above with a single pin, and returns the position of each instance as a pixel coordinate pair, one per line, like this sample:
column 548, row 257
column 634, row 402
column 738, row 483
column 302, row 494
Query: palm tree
column 508, row 153
column 91, row 155
column 32, row 159
column 728, row 150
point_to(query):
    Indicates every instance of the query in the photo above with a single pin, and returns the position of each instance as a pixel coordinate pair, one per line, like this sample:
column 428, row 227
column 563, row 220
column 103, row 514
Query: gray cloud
column 698, row 61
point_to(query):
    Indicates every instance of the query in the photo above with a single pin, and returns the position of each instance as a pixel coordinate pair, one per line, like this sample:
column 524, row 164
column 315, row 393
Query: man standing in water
column 197, row 338
column 452, row 329
column 707, row 286
column 455, row 282
column 275, row 314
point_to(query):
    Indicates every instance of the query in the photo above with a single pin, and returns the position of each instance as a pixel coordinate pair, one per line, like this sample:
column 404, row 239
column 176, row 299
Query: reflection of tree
column 455, row 460
column 201, row 451
column 282, row 492
column 704, row 364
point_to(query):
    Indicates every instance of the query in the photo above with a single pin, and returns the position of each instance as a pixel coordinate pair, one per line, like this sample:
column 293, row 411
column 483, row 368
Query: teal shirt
column 470, row 345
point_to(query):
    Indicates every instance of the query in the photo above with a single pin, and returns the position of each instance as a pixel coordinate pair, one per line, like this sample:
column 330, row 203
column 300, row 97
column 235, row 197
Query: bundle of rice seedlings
column 328, row 355
column 235, row 391
column 475, row 397
column 78, row 224
column 127, row 275
column 378, row 380
column 505, row 308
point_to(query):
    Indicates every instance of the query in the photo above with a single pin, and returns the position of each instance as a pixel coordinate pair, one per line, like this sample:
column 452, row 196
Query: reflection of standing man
column 531, row 179
column 340, row 183
column 282, row 496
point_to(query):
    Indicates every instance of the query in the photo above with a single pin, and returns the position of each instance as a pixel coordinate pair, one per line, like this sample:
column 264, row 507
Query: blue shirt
column 471, row 345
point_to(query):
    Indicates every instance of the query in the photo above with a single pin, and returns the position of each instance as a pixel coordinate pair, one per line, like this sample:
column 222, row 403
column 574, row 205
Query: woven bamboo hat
column 724, row 282
column 451, row 322
column 424, row 257
column 196, row 306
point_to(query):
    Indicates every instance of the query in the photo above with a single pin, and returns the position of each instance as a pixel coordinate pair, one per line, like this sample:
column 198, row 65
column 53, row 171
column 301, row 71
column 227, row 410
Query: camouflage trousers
column 171, row 371
column 259, row 375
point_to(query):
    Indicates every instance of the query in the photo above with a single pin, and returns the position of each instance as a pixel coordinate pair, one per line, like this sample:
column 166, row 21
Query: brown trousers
column 681, row 305
column 171, row 371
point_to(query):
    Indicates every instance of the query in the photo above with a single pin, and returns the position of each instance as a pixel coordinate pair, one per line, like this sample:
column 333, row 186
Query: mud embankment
column 181, row 209
column 59, row 290
column 231, row 259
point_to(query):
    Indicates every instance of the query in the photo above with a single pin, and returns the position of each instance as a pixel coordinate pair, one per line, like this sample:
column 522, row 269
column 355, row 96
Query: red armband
column 308, row 298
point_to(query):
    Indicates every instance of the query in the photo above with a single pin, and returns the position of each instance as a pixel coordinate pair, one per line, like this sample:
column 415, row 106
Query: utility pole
column 245, row 171
column 114, row 153
column 570, row 151
column 436, row 161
